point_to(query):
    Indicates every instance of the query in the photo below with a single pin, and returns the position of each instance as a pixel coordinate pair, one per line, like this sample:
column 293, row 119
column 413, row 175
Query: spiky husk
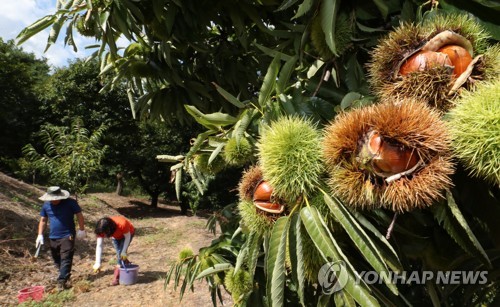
column 217, row 165
column 433, row 85
column 489, row 67
column 408, row 122
column 290, row 157
column 238, row 283
column 85, row 29
column 462, row 24
column 248, row 182
column 391, row 50
column 185, row 253
column 343, row 33
column 237, row 154
column 135, row 49
column 256, row 220
column 475, row 130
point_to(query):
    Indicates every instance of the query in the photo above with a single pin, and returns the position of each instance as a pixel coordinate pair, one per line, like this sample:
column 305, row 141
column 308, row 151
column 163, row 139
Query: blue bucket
column 128, row 274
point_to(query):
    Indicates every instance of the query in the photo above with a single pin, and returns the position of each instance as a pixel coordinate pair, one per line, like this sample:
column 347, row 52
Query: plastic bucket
column 128, row 275
column 35, row 293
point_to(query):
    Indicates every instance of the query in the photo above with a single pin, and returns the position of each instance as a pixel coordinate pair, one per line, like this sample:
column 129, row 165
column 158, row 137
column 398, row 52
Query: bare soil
column 161, row 233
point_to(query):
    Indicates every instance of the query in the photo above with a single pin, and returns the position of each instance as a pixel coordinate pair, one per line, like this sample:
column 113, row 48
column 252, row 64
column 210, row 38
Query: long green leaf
column 245, row 119
column 35, row 28
column 242, row 255
column 178, row 183
column 387, row 251
column 54, row 31
column 169, row 158
column 382, row 7
column 457, row 227
column 304, row 8
column 197, row 143
column 343, row 298
column 286, row 4
column 329, row 9
column 216, row 268
column 253, row 253
column 275, row 262
column 362, row 241
column 228, row 96
column 272, row 52
column 285, row 74
column 117, row 19
column 134, row 10
column 194, row 176
column 297, row 255
column 211, row 121
column 215, row 153
column 268, row 86
column 220, row 119
column 322, row 238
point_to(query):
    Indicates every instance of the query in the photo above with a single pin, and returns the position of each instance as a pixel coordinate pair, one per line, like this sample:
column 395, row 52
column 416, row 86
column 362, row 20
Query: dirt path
column 161, row 234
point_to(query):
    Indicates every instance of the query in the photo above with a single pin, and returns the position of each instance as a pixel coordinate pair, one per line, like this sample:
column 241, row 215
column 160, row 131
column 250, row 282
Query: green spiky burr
column 290, row 157
column 238, row 284
column 238, row 153
column 474, row 126
column 256, row 220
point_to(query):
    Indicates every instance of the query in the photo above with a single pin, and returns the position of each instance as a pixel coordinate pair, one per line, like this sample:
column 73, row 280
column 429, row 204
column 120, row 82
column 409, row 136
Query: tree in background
column 72, row 155
column 21, row 78
column 76, row 91
column 152, row 139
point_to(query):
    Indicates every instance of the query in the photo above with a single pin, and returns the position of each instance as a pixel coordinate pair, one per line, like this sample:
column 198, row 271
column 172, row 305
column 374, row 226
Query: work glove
column 39, row 240
column 124, row 259
column 97, row 267
column 81, row 234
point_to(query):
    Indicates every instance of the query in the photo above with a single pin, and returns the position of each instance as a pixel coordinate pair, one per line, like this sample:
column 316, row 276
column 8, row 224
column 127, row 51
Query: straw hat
column 54, row 193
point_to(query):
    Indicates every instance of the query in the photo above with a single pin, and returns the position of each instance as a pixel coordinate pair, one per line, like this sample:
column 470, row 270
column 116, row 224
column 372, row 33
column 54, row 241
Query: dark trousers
column 118, row 245
column 62, row 252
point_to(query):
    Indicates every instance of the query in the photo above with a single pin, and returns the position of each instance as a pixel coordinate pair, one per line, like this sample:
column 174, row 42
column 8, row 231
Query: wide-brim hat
column 54, row 193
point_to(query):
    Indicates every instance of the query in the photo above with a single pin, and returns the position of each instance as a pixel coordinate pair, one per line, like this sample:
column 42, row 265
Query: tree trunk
column 154, row 200
column 184, row 204
column 119, row 183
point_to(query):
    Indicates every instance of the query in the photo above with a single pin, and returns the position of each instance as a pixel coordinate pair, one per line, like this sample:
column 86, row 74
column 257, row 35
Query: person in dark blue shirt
column 59, row 210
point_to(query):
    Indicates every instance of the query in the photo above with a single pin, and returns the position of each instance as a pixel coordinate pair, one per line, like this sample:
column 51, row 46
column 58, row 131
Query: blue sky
column 17, row 14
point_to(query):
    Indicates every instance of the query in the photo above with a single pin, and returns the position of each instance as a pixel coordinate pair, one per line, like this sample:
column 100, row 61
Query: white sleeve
column 98, row 250
column 126, row 243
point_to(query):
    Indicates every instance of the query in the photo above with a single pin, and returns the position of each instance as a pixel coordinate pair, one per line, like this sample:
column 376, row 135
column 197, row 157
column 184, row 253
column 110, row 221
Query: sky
column 15, row 15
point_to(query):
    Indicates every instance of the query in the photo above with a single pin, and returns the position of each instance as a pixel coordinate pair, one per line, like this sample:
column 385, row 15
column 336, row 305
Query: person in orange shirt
column 121, row 232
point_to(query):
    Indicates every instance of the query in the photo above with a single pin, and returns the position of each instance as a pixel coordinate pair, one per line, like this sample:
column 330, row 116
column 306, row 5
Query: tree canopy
column 22, row 77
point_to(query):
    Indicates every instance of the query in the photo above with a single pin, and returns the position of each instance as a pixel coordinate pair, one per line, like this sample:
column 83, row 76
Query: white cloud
column 18, row 14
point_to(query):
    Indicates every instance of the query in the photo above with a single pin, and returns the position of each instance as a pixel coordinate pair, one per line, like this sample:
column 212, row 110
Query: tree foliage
column 71, row 154
column 75, row 92
column 21, row 78
column 152, row 139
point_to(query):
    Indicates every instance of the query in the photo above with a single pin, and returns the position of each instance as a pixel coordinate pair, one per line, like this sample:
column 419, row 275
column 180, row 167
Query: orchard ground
column 161, row 233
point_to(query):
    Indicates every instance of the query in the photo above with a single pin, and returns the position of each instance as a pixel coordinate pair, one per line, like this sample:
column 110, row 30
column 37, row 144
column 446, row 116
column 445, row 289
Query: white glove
column 96, row 267
column 39, row 240
column 81, row 234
